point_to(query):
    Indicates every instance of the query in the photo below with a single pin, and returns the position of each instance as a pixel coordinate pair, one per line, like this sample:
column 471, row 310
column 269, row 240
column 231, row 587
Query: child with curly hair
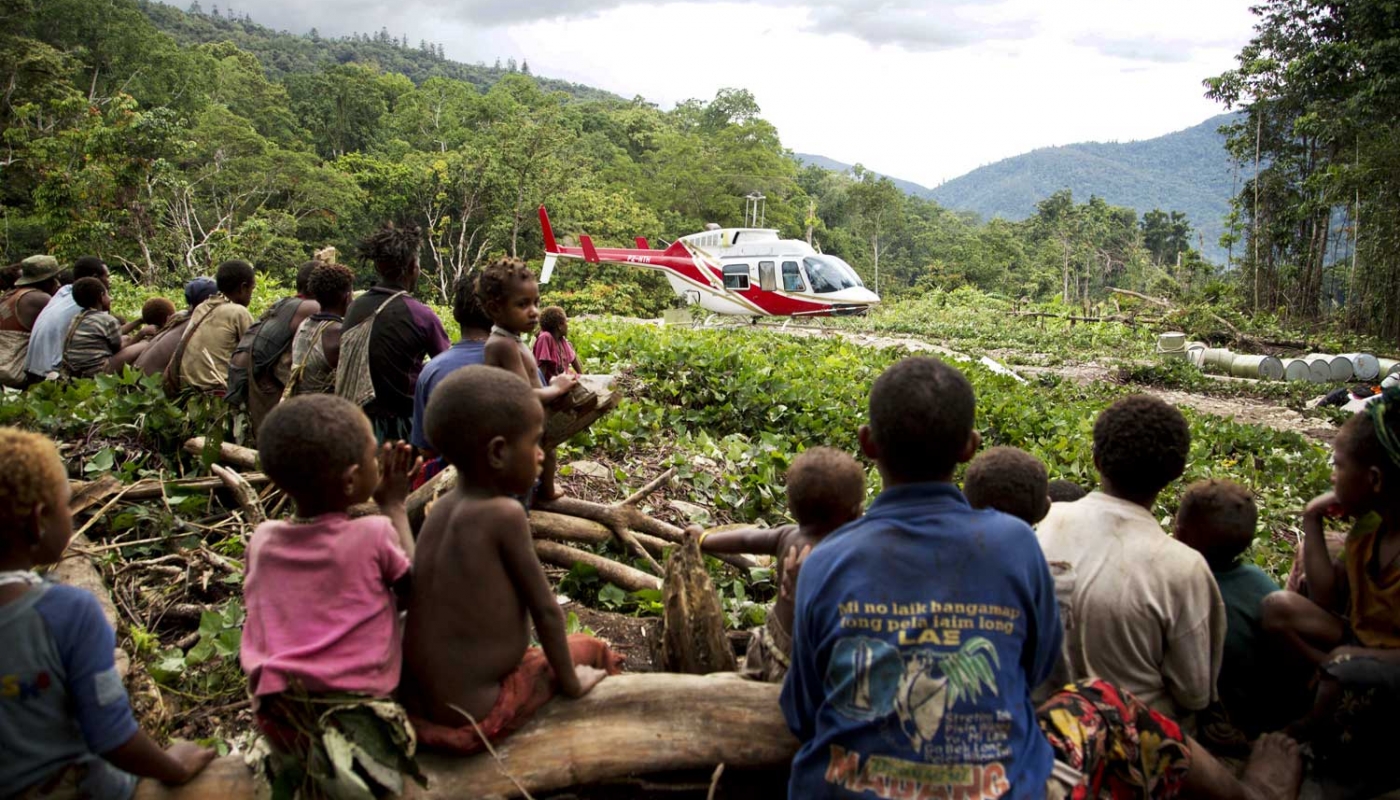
column 1158, row 629
column 387, row 335
column 64, row 715
column 511, row 297
column 322, row 637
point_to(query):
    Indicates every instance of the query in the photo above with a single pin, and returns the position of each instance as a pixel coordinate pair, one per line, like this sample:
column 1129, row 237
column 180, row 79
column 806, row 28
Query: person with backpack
column 387, row 335
column 262, row 362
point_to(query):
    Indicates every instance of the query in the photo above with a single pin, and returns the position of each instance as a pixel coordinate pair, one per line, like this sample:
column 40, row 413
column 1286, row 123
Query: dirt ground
column 1241, row 409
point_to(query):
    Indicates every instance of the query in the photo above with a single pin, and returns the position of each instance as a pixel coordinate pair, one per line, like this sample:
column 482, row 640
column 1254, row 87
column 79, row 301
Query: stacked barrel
column 1314, row 367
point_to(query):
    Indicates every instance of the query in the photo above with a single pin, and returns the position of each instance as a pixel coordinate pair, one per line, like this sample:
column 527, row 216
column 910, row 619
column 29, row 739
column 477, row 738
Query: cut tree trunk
column 630, row 725
column 229, row 453
column 693, row 639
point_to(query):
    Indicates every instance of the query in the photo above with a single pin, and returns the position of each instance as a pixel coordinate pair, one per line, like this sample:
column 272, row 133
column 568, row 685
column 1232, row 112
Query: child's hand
column 791, row 561
column 588, row 677
column 191, row 757
column 564, row 382
column 1325, row 506
column 397, row 466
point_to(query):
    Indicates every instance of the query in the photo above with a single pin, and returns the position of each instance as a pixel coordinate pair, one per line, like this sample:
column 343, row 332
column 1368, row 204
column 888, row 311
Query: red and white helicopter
column 735, row 271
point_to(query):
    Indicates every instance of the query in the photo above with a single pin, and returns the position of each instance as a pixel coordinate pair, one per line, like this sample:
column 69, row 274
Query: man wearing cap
column 51, row 328
column 153, row 359
column 21, row 306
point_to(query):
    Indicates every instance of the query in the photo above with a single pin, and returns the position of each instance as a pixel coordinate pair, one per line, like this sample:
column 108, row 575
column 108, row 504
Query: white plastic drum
column 1338, row 368
column 1319, row 369
column 1388, row 366
column 1296, row 369
column 1217, row 360
column 1265, row 368
column 1367, row 367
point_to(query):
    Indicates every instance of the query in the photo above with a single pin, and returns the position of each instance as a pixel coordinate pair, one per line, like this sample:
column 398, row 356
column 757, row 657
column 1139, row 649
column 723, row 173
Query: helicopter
column 749, row 272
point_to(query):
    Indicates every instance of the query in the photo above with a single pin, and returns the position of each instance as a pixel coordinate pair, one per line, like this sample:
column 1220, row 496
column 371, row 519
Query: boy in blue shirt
column 921, row 629
column 65, row 722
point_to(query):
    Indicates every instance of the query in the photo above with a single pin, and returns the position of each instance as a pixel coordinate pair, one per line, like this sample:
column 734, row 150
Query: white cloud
column 921, row 89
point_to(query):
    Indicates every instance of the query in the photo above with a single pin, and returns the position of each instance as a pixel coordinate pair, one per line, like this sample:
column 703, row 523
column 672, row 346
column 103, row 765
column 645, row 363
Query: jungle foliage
column 167, row 141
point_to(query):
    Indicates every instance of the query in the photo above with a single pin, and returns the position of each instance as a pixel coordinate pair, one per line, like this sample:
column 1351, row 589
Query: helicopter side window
column 768, row 276
column 736, row 277
column 792, row 277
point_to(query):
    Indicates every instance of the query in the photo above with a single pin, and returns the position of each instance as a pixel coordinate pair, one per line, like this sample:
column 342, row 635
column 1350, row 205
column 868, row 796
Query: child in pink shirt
column 321, row 588
column 553, row 352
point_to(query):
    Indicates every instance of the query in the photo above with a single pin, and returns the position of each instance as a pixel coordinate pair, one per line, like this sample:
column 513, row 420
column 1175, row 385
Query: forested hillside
column 1189, row 171
column 283, row 53
column 167, row 153
column 908, row 187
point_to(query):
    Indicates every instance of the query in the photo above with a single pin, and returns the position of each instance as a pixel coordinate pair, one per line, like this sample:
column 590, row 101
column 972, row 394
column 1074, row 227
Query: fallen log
column 620, row 519
column 561, row 425
column 151, row 486
column 229, row 453
column 625, row 577
column 566, row 528
column 243, row 492
column 628, row 726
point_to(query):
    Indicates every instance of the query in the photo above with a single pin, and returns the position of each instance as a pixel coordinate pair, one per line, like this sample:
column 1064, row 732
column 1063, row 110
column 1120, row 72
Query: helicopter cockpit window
column 792, row 277
column 736, row 277
column 830, row 274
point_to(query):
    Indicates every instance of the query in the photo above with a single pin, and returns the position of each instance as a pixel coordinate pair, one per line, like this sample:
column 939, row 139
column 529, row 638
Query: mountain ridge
column 1186, row 170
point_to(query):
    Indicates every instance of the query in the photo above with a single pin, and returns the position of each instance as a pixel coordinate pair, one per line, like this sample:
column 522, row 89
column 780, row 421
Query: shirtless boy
column 476, row 577
column 511, row 297
column 825, row 489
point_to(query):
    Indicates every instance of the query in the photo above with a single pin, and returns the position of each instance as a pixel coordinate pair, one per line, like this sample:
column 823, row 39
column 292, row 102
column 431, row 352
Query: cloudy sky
column 924, row 90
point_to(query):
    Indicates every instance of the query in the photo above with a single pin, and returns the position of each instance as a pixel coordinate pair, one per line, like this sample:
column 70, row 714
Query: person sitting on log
column 154, row 358
column 1354, row 657
column 261, row 364
column 155, row 314
column 316, row 346
column 920, row 629
column 51, row 328
column 825, row 490
column 321, row 643
column 1157, row 630
column 1065, row 491
column 1009, row 480
column 65, row 717
column 553, row 351
column 470, row 676
column 1217, row 519
column 95, row 336
column 470, row 349
column 200, row 361
column 511, row 297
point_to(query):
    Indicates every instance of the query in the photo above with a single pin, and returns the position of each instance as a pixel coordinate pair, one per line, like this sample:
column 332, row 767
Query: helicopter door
column 767, row 276
column 792, row 277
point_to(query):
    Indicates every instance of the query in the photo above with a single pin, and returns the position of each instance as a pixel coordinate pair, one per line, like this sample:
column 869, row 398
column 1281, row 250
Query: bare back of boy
column 513, row 356
column 468, row 624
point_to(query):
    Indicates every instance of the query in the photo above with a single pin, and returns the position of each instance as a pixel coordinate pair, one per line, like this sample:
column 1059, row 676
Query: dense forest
column 1320, row 89
column 168, row 140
